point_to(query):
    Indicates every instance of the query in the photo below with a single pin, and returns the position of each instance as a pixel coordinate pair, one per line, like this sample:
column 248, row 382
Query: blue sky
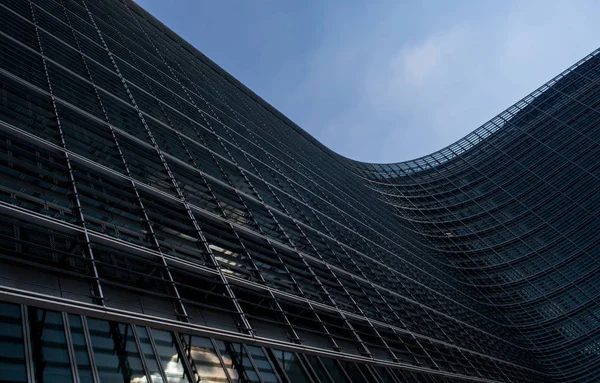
column 386, row 81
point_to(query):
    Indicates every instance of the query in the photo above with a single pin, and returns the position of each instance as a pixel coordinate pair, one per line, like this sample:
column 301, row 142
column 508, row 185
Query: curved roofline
column 400, row 168
column 469, row 141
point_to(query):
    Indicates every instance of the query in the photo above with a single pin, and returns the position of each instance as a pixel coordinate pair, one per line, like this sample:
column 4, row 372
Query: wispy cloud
column 387, row 81
column 379, row 96
column 422, row 63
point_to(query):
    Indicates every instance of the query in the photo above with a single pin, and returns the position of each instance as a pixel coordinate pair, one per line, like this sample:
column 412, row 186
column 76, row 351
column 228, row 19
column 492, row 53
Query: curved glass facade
column 159, row 222
column 513, row 208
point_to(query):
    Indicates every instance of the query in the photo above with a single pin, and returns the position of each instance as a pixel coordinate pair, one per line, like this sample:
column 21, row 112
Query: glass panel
column 262, row 364
column 207, row 363
column 169, row 356
column 237, row 363
column 149, row 356
column 12, row 352
column 116, row 354
column 384, row 374
column 49, row 346
column 367, row 371
column 352, row 371
column 291, row 365
column 319, row 369
column 405, row 376
column 334, row 370
column 82, row 358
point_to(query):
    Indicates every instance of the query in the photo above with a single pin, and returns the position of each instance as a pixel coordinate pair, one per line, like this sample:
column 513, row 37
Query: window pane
column 384, row 374
column 262, row 364
column 318, row 368
column 49, row 346
column 332, row 367
column 208, row 365
column 291, row 365
column 352, row 370
column 237, row 363
column 116, row 354
column 151, row 359
column 169, row 356
column 12, row 353
column 82, row 358
column 366, row 371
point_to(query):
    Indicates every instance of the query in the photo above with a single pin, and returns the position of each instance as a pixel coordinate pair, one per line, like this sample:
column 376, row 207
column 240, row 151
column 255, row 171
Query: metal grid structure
column 160, row 222
column 514, row 208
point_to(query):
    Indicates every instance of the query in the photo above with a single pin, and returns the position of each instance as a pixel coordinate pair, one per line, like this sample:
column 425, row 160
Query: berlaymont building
column 160, row 222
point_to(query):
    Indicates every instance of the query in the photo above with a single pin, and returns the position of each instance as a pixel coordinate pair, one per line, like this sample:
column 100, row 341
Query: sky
column 388, row 80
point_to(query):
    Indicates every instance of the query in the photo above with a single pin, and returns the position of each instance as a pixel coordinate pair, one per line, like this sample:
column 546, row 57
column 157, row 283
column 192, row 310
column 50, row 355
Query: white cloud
column 399, row 98
column 423, row 62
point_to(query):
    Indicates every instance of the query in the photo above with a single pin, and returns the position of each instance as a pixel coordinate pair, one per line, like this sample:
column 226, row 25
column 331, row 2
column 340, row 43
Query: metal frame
column 373, row 259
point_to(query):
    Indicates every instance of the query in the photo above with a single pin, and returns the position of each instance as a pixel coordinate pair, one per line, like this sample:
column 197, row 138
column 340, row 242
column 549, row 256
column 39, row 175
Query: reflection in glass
column 169, row 356
column 352, row 370
column 383, row 373
column 207, row 363
column 49, row 346
column 237, row 363
column 149, row 357
column 334, row 370
column 82, row 358
column 365, row 370
column 318, row 369
column 116, row 354
column 262, row 364
column 291, row 365
column 12, row 353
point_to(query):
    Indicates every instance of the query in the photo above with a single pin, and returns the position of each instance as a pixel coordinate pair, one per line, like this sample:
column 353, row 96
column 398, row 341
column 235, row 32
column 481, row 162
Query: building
column 160, row 222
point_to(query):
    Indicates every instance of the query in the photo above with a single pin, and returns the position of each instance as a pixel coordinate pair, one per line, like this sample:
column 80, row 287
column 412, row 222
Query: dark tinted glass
column 12, row 353
column 149, row 356
column 169, row 356
column 262, row 364
column 49, row 346
column 115, row 352
column 237, row 362
column 334, row 370
column 207, row 365
column 291, row 365
column 80, row 347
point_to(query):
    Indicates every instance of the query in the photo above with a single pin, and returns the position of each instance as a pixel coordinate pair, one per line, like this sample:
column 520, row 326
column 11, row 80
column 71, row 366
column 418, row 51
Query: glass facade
column 160, row 222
